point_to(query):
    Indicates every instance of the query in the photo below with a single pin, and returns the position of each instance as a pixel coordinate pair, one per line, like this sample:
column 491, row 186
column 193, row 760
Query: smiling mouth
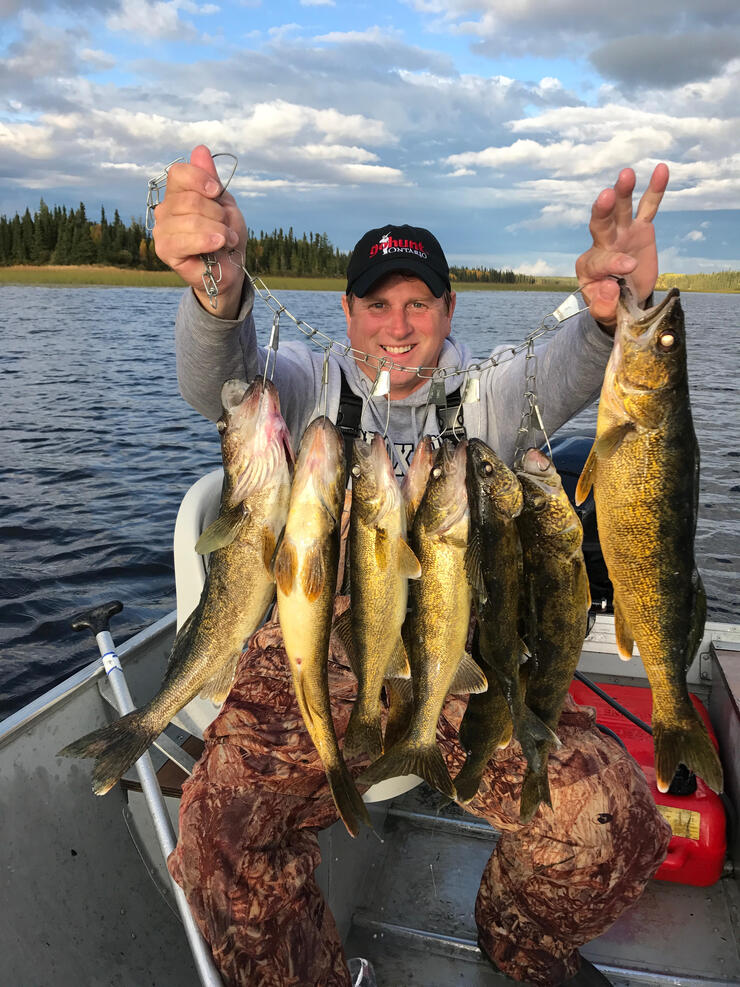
column 397, row 350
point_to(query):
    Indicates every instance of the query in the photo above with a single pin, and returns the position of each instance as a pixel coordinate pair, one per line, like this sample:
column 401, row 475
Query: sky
column 494, row 123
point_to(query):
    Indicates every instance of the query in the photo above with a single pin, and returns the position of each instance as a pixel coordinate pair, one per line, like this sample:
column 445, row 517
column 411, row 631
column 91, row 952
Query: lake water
column 98, row 449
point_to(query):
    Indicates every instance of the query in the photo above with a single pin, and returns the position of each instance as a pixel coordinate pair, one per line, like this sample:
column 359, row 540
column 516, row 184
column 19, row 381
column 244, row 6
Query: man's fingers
column 596, row 265
column 202, row 158
column 623, row 189
column 653, row 195
column 199, row 176
column 601, row 226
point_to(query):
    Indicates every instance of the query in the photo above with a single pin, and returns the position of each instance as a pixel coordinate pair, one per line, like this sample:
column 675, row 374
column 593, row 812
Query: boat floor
column 413, row 916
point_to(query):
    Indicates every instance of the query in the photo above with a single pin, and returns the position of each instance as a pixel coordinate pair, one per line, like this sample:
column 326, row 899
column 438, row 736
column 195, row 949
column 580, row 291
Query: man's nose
column 398, row 323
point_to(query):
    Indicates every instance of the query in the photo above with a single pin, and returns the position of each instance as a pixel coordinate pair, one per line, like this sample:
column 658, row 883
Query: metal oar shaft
column 209, row 976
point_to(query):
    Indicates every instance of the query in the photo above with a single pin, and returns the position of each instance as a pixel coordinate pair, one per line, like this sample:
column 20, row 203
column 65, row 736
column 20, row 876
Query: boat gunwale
column 82, row 678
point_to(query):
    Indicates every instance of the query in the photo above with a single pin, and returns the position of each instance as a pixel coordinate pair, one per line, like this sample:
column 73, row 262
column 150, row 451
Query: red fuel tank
column 697, row 849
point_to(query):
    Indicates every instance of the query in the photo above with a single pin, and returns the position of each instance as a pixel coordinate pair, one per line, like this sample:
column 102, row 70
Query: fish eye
column 667, row 340
column 487, row 469
column 437, row 472
column 221, row 426
column 356, row 471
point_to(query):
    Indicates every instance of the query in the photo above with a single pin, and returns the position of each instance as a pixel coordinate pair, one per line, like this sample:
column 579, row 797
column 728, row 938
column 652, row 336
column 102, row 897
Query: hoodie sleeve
column 569, row 374
column 210, row 350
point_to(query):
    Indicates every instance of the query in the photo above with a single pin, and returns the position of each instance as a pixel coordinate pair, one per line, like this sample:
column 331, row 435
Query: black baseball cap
column 397, row 248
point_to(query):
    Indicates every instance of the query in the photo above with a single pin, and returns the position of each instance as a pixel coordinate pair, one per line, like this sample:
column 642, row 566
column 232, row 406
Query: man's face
column 399, row 320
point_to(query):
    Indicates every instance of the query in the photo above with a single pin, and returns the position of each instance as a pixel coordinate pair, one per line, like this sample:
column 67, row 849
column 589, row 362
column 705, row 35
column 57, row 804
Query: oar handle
column 97, row 618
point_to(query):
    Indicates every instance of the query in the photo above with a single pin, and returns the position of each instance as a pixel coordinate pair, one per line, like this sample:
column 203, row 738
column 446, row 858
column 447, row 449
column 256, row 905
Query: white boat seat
column 198, row 508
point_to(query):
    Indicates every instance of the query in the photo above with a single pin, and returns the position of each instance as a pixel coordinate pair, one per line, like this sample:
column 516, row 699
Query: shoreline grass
column 127, row 277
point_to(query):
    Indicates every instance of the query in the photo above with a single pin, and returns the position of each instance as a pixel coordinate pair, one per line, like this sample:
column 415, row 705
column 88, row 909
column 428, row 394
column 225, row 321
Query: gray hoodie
column 570, row 370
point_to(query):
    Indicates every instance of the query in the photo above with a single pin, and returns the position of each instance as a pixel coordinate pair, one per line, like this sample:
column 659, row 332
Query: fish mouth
column 537, row 470
column 639, row 320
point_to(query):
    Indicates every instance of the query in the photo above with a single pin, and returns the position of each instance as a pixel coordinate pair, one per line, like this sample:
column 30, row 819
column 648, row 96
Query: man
column 250, row 813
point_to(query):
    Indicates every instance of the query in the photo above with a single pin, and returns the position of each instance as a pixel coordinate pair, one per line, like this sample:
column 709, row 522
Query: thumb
column 201, row 158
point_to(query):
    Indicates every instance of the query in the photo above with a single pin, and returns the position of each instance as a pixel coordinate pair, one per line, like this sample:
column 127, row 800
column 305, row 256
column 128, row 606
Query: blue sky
column 494, row 124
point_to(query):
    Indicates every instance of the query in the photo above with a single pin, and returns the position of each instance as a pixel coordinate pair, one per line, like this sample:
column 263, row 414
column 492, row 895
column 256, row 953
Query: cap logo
column 388, row 245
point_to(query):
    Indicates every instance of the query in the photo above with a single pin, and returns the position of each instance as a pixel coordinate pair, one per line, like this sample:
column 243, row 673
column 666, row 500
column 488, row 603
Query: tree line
column 490, row 275
column 66, row 236
column 62, row 236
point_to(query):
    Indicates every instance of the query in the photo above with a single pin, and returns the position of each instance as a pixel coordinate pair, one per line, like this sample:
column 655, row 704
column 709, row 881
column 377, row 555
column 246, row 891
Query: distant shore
column 130, row 277
column 117, row 277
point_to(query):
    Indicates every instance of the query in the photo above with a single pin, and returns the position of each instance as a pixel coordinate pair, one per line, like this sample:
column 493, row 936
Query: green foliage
column 61, row 237
column 718, row 281
column 488, row 275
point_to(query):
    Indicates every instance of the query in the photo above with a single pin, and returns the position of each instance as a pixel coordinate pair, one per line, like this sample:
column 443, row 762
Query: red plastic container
column 697, row 849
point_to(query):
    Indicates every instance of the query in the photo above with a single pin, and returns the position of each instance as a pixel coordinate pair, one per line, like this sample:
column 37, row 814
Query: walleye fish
column 557, row 599
column 306, row 574
column 493, row 561
column 644, row 468
column 381, row 564
column 438, row 624
column 239, row 587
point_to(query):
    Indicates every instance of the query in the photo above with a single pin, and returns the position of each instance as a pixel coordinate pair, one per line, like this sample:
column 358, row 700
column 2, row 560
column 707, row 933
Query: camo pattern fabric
column 251, row 811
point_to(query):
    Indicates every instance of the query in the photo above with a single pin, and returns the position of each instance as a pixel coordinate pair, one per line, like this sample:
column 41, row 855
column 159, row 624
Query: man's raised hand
column 196, row 217
column 623, row 244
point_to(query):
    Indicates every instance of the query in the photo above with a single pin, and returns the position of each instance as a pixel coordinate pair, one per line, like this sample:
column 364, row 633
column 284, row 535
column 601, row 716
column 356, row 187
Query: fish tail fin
column 533, row 734
column 468, row 779
column 535, row 789
column 687, row 743
column 412, row 759
column 364, row 735
column 115, row 748
column 347, row 799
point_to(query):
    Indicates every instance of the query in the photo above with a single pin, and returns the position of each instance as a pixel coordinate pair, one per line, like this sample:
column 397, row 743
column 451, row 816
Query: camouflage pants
column 250, row 813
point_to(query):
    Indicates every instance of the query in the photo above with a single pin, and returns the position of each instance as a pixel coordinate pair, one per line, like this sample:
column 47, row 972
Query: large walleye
column 239, row 587
column 306, row 575
column 557, row 599
column 380, row 563
column 493, row 561
column 438, row 624
column 644, row 468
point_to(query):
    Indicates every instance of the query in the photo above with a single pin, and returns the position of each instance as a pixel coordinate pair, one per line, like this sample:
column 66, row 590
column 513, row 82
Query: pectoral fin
column 469, row 677
column 398, row 665
column 313, row 573
column 218, row 686
column 623, row 631
column 604, row 447
column 473, row 568
column 286, row 566
column 408, row 564
column 342, row 627
column 223, row 530
column 268, row 547
column 381, row 548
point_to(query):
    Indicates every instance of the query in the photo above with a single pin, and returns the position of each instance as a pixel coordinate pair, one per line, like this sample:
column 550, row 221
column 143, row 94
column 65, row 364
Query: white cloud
column 317, row 3
column 695, row 235
column 553, row 216
column 150, row 20
column 539, row 268
column 96, row 59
